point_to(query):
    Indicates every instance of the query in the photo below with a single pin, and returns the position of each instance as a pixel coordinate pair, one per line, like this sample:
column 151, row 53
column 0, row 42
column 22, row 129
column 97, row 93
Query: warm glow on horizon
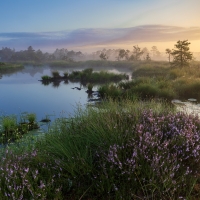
column 91, row 26
column 161, row 46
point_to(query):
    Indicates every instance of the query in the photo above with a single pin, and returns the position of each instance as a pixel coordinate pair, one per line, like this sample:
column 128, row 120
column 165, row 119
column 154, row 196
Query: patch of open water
column 22, row 92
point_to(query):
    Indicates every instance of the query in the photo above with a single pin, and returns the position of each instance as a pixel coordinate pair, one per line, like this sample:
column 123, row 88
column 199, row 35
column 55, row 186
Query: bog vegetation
column 133, row 145
column 155, row 80
column 85, row 76
column 135, row 150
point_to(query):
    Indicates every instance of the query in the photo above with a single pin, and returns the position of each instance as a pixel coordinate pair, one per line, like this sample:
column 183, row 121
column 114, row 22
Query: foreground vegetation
column 123, row 149
column 128, row 150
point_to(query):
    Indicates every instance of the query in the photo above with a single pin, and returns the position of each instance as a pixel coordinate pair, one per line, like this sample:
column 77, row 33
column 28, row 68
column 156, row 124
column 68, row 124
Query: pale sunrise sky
column 89, row 25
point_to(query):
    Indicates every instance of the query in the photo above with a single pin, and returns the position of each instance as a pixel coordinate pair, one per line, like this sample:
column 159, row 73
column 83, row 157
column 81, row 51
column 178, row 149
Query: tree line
column 179, row 56
column 136, row 54
column 10, row 55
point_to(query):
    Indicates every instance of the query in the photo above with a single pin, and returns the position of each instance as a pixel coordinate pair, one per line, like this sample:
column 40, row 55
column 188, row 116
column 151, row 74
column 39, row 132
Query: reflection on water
column 191, row 106
column 23, row 92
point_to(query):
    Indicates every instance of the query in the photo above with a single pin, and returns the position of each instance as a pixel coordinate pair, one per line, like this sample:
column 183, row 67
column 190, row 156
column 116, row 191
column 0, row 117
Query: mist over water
column 22, row 92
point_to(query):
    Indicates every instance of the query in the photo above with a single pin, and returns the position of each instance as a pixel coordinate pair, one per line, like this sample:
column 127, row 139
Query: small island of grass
column 85, row 76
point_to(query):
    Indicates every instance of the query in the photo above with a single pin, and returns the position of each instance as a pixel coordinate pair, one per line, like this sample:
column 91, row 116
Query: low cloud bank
column 92, row 38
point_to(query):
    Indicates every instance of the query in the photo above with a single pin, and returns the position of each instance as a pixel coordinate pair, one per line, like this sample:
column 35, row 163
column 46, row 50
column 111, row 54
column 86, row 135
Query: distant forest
column 10, row 55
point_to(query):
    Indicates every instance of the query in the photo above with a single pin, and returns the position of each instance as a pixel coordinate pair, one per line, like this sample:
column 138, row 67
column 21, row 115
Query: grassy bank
column 131, row 150
column 91, row 64
column 162, row 81
column 7, row 68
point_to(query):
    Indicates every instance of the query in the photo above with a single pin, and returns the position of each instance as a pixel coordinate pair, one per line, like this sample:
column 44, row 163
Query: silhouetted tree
column 148, row 58
column 181, row 55
column 39, row 55
column 121, row 53
column 155, row 52
column 124, row 54
column 6, row 54
column 103, row 56
column 169, row 52
column 30, row 53
column 137, row 53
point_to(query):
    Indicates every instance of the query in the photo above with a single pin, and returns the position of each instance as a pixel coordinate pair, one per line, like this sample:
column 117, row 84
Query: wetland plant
column 55, row 74
column 46, row 78
column 9, row 124
column 90, row 86
column 26, row 175
column 31, row 118
column 131, row 150
column 11, row 130
column 66, row 75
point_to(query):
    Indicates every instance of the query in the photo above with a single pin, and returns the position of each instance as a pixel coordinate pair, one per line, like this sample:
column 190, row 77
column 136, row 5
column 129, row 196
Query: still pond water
column 22, row 92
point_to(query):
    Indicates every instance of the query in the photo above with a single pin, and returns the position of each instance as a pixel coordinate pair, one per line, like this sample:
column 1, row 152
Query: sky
column 88, row 25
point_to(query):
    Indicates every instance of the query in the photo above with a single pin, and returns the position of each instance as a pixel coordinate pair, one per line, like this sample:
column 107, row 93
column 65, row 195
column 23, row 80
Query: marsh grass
column 10, row 65
column 55, row 74
column 108, row 151
column 130, row 149
column 31, row 117
column 46, row 78
column 85, row 76
column 158, row 80
column 89, row 86
column 9, row 123
column 88, row 75
column 144, row 87
column 9, row 68
column 187, row 88
column 9, row 129
column 66, row 75
column 122, row 150
column 151, row 71
column 12, row 130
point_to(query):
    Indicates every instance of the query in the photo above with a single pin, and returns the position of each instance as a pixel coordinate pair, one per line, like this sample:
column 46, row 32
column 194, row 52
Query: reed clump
column 46, row 78
column 11, row 130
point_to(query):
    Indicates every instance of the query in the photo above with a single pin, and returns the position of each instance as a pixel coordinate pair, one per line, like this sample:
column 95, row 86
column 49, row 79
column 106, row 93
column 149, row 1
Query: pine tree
column 181, row 55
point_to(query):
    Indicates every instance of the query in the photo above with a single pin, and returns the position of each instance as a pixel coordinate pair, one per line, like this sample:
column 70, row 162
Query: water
column 22, row 92
column 191, row 106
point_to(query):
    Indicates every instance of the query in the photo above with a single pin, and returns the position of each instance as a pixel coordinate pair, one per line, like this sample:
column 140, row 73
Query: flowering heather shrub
column 161, row 160
column 27, row 176
column 123, row 152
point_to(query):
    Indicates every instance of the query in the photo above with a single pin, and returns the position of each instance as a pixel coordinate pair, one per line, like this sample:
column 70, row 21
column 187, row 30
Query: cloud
column 98, row 37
